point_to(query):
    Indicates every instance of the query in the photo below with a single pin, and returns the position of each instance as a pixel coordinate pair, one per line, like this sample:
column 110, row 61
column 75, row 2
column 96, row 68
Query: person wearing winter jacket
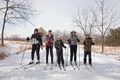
column 87, row 49
column 73, row 41
column 59, row 49
column 49, row 45
column 36, row 39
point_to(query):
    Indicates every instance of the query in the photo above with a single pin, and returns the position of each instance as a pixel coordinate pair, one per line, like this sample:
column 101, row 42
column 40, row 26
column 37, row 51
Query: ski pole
column 79, row 55
column 94, row 56
column 65, row 56
column 23, row 53
column 43, row 55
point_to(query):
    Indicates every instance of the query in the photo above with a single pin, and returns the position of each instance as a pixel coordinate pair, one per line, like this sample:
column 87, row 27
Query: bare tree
column 105, row 18
column 85, row 20
column 16, row 11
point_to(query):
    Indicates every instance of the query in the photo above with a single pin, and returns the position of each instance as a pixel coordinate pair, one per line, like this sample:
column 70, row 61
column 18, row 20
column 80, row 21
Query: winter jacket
column 73, row 40
column 87, row 44
column 49, row 40
column 58, row 45
column 36, row 39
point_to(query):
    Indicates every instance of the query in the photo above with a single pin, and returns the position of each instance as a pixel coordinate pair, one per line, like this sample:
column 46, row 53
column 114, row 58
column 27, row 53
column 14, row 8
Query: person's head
column 36, row 31
column 58, row 38
column 73, row 32
column 50, row 32
column 87, row 36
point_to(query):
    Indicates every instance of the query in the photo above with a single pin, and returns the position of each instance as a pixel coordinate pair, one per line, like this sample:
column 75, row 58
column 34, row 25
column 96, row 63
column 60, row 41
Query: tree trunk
column 102, row 44
column 4, row 21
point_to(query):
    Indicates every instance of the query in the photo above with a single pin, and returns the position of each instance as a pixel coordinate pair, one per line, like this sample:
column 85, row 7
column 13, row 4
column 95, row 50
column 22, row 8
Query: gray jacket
column 73, row 40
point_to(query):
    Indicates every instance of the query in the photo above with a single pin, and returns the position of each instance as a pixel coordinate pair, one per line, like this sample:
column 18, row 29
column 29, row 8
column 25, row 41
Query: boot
column 38, row 62
column 32, row 62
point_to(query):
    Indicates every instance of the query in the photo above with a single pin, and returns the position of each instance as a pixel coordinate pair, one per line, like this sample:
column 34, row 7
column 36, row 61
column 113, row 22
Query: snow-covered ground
column 104, row 68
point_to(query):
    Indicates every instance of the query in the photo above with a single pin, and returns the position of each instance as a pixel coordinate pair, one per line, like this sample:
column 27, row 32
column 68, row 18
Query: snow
column 104, row 68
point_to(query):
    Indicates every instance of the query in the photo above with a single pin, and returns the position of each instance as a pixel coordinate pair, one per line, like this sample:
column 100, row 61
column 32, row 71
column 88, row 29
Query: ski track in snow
column 104, row 68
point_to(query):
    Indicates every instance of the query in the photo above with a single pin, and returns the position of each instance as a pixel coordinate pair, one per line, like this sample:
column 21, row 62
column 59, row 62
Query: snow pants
column 87, row 53
column 35, row 47
column 73, row 52
column 49, row 48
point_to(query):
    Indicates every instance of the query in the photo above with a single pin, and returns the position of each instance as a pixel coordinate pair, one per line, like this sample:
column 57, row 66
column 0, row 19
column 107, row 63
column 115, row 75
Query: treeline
column 111, row 39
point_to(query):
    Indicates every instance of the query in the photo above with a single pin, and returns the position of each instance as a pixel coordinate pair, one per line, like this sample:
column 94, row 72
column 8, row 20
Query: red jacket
column 49, row 40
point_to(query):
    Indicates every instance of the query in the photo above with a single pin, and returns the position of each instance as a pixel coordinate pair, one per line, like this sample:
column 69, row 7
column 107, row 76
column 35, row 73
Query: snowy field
column 104, row 68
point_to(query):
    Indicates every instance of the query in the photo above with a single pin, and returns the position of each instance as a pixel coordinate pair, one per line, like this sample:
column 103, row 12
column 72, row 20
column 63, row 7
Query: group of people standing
column 73, row 41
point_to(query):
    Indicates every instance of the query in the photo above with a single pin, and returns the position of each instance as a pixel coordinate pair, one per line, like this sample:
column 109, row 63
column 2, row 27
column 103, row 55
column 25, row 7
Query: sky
column 55, row 15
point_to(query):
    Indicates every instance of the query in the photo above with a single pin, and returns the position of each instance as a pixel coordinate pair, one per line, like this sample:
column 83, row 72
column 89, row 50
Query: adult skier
column 36, row 44
column 59, row 49
column 49, row 46
column 72, row 41
column 87, row 49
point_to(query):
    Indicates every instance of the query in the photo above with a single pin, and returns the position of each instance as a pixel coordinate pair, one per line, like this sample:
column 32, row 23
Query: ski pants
column 73, row 52
column 35, row 47
column 60, row 58
column 49, row 48
column 85, row 57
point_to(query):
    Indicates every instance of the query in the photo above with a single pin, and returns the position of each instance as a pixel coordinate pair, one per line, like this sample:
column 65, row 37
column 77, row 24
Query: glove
column 65, row 47
column 27, row 38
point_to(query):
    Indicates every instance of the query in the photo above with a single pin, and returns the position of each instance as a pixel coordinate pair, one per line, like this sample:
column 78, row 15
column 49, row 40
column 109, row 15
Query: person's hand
column 65, row 47
column 27, row 38
column 41, row 47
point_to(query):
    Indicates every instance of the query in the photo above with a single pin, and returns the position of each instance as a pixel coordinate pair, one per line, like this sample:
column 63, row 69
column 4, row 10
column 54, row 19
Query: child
column 58, row 45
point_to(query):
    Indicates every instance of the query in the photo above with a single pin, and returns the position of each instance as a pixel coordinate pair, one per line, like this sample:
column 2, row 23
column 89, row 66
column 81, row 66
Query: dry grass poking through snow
column 2, row 55
column 23, row 47
column 107, row 50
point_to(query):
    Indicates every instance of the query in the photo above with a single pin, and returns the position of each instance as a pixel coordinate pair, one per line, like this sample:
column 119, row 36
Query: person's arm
column 93, row 43
column 53, row 39
column 63, row 44
column 41, row 42
column 56, row 46
column 28, row 39
column 84, row 42
column 78, row 39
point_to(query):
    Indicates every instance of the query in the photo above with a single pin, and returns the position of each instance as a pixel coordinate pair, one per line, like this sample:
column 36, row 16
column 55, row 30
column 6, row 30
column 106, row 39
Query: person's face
column 87, row 36
column 73, row 33
column 58, row 38
column 36, row 32
column 49, row 33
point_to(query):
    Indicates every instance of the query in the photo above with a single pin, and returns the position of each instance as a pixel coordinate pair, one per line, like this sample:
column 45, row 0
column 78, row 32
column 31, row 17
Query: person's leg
column 51, row 53
column 37, row 53
column 62, row 59
column 47, row 54
column 58, row 59
column 71, row 54
column 90, row 58
column 75, row 53
column 32, row 54
column 85, row 57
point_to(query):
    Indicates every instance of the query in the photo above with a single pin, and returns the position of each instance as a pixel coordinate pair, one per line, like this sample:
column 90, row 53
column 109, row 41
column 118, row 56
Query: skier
column 87, row 49
column 58, row 45
column 49, row 46
column 72, row 41
column 36, row 44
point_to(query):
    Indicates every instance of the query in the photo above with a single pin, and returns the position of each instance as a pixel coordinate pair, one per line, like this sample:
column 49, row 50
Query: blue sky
column 56, row 15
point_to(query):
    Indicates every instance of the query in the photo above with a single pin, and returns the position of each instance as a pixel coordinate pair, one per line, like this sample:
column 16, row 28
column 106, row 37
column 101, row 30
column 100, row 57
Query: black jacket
column 37, row 38
column 59, row 44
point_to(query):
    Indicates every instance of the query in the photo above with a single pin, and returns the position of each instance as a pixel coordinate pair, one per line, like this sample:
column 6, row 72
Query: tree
column 85, row 21
column 16, row 11
column 113, row 38
column 42, row 30
column 105, row 18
